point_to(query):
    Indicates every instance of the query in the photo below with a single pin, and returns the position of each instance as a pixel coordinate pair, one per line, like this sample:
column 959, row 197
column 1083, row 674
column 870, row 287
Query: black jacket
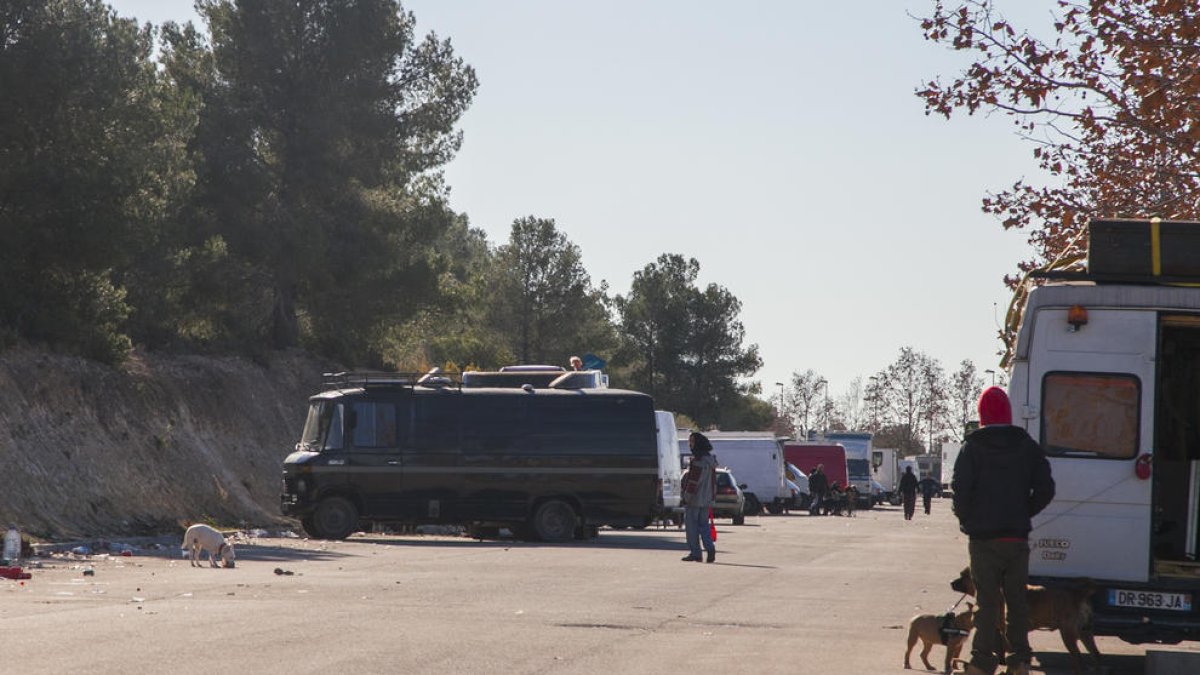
column 1001, row 481
column 818, row 483
column 908, row 483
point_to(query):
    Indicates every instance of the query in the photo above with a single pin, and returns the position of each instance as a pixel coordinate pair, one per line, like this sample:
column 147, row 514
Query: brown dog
column 934, row 629
column 1065, row 610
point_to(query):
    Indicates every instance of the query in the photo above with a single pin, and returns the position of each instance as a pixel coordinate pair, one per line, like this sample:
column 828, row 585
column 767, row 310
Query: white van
column 756, row 458
column 1106, row 376
column 670, row 473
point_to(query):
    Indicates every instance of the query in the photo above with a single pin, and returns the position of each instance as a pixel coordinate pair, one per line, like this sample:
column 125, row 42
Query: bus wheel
column 309, row 528
column 775, row 508
column 554, row 521
column 335, row 518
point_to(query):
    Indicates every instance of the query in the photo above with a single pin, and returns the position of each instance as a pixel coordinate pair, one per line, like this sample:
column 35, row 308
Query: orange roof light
column 1077, row 317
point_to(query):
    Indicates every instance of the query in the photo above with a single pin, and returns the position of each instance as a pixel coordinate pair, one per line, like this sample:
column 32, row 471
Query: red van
column 806, row 456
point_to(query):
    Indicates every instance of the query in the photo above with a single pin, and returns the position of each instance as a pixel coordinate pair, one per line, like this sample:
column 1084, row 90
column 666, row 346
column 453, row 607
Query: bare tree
column 965, row 387
column 805, row 392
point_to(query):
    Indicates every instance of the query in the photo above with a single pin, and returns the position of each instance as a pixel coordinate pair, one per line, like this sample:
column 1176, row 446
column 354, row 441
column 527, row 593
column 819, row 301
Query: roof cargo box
column 1144, row 248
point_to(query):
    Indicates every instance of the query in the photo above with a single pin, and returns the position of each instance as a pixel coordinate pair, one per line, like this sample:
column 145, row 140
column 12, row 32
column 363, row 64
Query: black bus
column 548, row 463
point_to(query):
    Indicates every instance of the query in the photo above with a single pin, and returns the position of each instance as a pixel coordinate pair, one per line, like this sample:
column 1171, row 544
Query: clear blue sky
column 779, row 143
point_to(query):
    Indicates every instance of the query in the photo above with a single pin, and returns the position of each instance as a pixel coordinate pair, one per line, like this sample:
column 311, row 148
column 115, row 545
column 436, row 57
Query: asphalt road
column 788, row 594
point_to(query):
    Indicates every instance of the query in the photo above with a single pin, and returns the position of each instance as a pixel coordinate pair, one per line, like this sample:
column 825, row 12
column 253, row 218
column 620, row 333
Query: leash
column 956, row 604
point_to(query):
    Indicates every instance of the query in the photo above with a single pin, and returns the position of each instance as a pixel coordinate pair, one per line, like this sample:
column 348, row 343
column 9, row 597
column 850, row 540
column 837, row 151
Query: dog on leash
column 1065, row 610
column 947, row 629
column 201, row 537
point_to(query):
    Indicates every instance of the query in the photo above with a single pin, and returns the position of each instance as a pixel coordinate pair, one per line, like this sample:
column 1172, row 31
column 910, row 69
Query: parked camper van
column 1106, row 376
column 886, row 471
column 553, row 463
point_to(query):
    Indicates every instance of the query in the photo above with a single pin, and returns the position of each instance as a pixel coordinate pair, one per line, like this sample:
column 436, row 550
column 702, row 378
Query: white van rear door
column 1090, row 403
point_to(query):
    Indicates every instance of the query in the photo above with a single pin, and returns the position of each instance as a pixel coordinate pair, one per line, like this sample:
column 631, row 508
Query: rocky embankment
column 164, row 441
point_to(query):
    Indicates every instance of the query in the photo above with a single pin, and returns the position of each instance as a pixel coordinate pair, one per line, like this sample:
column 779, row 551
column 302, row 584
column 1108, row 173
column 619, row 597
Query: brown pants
column 1001, row 572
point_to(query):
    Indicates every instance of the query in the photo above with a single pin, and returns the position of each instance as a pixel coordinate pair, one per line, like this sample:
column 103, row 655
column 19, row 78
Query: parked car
column 730, row 502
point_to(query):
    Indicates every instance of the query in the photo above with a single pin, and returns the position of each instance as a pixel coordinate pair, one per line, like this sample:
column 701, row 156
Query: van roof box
column 1138, row 251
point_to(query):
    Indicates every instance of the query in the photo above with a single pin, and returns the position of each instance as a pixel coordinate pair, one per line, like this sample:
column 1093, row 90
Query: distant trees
column 542, row 302
column 911, row 404
column 683, row 344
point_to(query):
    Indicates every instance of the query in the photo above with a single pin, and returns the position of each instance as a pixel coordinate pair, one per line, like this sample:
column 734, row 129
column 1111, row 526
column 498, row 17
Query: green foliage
column 322, row 127
column 684, row 343
column 541, row 299
column 83, row 141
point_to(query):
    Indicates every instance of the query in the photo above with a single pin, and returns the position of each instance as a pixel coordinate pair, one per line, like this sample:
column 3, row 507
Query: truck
column 929, row 465
column 1105, row 375
column 858, row 461
column 756, row 459
column 807, row 455
column 886, row 470
column 949, row 457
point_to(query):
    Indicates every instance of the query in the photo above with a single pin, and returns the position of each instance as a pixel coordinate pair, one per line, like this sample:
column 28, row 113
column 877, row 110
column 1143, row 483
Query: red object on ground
column 712, row 524
column 14, row 573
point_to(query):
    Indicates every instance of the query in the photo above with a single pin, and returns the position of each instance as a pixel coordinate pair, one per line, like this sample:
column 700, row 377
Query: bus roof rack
column 379, row 379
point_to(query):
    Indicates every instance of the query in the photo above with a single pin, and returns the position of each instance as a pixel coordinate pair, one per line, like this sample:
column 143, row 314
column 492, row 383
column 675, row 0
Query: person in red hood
column 1001, row 481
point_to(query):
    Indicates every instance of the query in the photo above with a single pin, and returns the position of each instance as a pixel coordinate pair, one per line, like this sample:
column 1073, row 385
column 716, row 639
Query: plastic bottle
column 12, row 546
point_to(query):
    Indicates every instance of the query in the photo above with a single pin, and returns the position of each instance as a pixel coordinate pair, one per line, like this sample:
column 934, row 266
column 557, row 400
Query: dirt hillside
column 89, row 450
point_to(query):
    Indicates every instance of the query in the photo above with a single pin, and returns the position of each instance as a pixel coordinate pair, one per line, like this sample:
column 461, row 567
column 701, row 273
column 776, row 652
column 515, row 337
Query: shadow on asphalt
column 1059, row 663
column 623, row 540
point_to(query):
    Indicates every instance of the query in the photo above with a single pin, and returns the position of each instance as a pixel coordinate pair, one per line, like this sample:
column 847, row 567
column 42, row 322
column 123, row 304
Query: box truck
column 756, row 458
column 858, row 461
column 884, row 464
column 806, row 457
column 1105, row 375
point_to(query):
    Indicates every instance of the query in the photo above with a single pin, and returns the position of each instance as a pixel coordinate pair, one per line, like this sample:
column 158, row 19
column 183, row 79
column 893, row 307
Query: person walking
column 928, row 487
column 699, row 493
column 1001, row 481
column 908, row 492
column 818, row 487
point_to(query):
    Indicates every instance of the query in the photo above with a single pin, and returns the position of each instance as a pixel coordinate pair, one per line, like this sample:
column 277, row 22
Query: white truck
column 886, row 469
column 858, row 461
column 949, row 457
column 756, row 459
column 1105, row 374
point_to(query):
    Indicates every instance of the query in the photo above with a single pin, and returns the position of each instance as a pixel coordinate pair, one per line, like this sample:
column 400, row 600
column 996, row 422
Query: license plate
column 1180, row 602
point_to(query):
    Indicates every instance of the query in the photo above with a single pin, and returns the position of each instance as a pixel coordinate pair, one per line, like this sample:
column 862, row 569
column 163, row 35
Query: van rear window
column 1090, row 415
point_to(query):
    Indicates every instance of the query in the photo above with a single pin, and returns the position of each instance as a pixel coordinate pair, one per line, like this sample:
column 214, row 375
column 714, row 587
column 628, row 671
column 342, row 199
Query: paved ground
column 789, row 594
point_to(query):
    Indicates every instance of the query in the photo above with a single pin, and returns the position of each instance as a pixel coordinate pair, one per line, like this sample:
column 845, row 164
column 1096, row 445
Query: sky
column 778, row 143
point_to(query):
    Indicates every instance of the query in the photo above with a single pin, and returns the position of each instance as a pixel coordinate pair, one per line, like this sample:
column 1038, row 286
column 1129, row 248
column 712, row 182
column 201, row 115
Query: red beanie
column 994, row 407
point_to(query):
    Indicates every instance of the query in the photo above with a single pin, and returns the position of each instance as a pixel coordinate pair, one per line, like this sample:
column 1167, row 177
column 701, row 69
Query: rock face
column 162, row 442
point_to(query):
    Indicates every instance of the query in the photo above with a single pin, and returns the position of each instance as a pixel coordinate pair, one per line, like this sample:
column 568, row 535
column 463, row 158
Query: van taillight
column 726, row 491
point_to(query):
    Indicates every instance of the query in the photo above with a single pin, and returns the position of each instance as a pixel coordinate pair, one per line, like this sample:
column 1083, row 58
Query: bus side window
column 373, row 424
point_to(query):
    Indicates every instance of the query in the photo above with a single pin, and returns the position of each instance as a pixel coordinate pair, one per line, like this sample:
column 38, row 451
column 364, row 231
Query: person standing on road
column 818, row 486
column 928, row 487
column 1001, row 481
column 908, row 492
column 699, row 493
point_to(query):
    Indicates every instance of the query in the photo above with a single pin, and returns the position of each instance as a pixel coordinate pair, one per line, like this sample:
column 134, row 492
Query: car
column 730, row 502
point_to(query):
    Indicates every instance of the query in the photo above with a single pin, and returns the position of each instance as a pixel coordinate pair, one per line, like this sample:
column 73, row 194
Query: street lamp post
column 824, row 418
column 780, row 385
column 874, row 404
column 991, row 372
